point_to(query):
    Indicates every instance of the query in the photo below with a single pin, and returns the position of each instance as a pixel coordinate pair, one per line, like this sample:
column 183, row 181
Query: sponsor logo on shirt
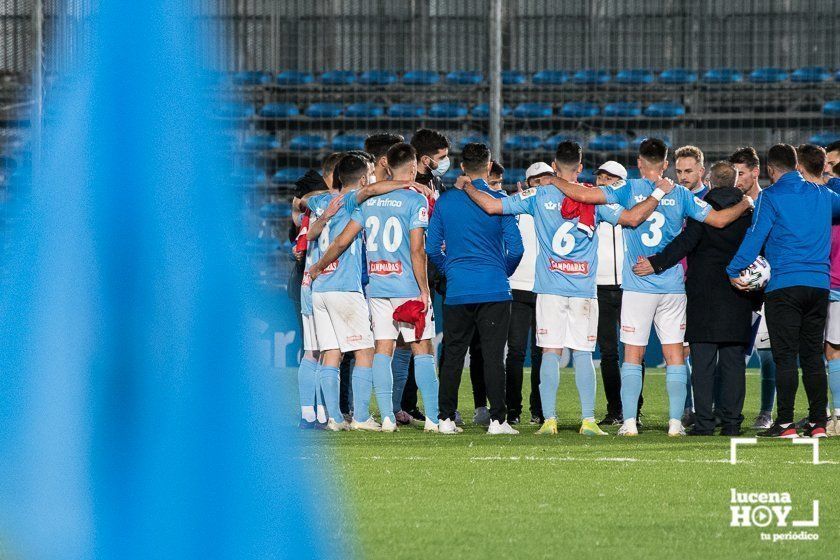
column 330, row 268
column 384, row 202
column 384, row 268
column 528, row 193
column 569, row 267
column 423, row 215
column 306, row 279
column 550, row 205
column 700, row 203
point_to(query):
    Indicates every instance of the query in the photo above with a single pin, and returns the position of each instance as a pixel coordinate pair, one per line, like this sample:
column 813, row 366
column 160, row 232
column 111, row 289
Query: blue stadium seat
column 514, row 175
column 234, row 110
column 482, row 111
column 294, row 78
column 722, row 76
column 637, row 141
column 521, row 142
column 810, row 74
column 250, row 78
column 406, row 110
column 551, row 142
column 248, row 176
column 347, row 142
column 364, row 111
column 275, row 211
column 837, row 76
column 261, row 142
column 532, row 111
column 288, row 175
column 338, row 78
column 378, row 78
column 324, row 110
column 824, row 138
column 678, row 76
column 622, row 110
column 609, row 143
column 480, row 138
column 832, row 108
column 579, row 109
column 420, row 78
column 279, row 111
column 308, row 142
column 448, row 111
column 591, row 76
column 664, row 110
column 550, row 77
column 586, row 176
column 512, row 77
column 768, row 76
column 464, row 78
column 634, row 76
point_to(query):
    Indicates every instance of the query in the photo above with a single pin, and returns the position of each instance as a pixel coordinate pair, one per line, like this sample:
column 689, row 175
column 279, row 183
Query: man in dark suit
column 719, row 317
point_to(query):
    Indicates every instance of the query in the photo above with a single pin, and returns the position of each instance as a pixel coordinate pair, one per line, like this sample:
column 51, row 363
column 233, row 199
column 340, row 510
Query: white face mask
column 442, row 168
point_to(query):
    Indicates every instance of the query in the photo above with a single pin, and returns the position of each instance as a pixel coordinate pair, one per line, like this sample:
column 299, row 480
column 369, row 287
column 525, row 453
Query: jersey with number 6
column 388, row 219
column 345, row 273
column 567, row 259
column 651, row 236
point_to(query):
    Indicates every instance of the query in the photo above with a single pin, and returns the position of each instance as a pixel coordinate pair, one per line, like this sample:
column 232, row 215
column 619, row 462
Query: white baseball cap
column 614, row 168
column 537, row 169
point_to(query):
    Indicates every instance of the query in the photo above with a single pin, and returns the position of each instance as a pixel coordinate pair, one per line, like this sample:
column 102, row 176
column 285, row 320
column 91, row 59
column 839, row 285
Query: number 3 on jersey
column 654, row 235
column 392, row 234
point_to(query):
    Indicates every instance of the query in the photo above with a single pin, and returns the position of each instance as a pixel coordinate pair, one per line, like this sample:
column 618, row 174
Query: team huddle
column 383, row 237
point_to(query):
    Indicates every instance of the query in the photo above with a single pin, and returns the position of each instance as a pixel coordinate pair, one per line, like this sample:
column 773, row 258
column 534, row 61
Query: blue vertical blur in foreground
column 135, row 422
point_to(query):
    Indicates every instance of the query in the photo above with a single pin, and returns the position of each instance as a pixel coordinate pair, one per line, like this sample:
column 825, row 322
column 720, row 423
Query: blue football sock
column 768, row 379
column 330, row 387
column 399, row 370
column 306, row 388
column 585, row 381
column 427, row 383
column 675, row 384
column 834, row 382
column 383, row 385
column 631, row 388
column 689, row 397
column 362, row 383
column 320, row 408
column 549, row 383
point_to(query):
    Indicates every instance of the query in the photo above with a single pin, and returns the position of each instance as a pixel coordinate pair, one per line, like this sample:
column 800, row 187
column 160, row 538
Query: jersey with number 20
column 388, row 219
column 651, row 236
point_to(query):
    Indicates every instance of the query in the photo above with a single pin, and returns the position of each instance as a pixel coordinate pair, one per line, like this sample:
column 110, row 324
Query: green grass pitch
column 416, row 495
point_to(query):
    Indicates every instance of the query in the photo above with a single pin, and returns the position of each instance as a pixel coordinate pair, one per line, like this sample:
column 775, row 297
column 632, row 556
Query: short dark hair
column 350, row 169
column 811, row 158
column 722, row 174
column 329, row 163
column 401, row 153
column 428, row 142
column 568, row 153
column 745, row 156
column 361, row 154
column 833, row 147
column 475, row 157
column 378, row 145
column 653, row 150
column 496, row 168
column 782, row 156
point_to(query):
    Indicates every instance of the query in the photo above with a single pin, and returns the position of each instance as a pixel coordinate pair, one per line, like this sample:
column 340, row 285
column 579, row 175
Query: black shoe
column 687, row 419
column 777, row 431
column 731, row 431
column 696, row 432
column 639, row 423
column 610, row 420
column 814, row 430
column 513, row 421
column 417, row 415
column 537, row 420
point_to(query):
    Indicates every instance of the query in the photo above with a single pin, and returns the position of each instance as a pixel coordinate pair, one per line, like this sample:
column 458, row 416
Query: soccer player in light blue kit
column 342, row 318
column 566, row 268
column 395, row 226
column 653, row 301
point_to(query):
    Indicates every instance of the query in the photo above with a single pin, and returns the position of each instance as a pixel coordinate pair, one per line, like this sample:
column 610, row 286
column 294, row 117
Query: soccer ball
column 757, row 274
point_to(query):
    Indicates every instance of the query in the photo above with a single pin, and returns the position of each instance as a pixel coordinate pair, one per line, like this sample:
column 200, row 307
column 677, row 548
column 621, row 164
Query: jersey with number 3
column 651, row 236
column 567, row 259
column 345, row 273
column 388, row 220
